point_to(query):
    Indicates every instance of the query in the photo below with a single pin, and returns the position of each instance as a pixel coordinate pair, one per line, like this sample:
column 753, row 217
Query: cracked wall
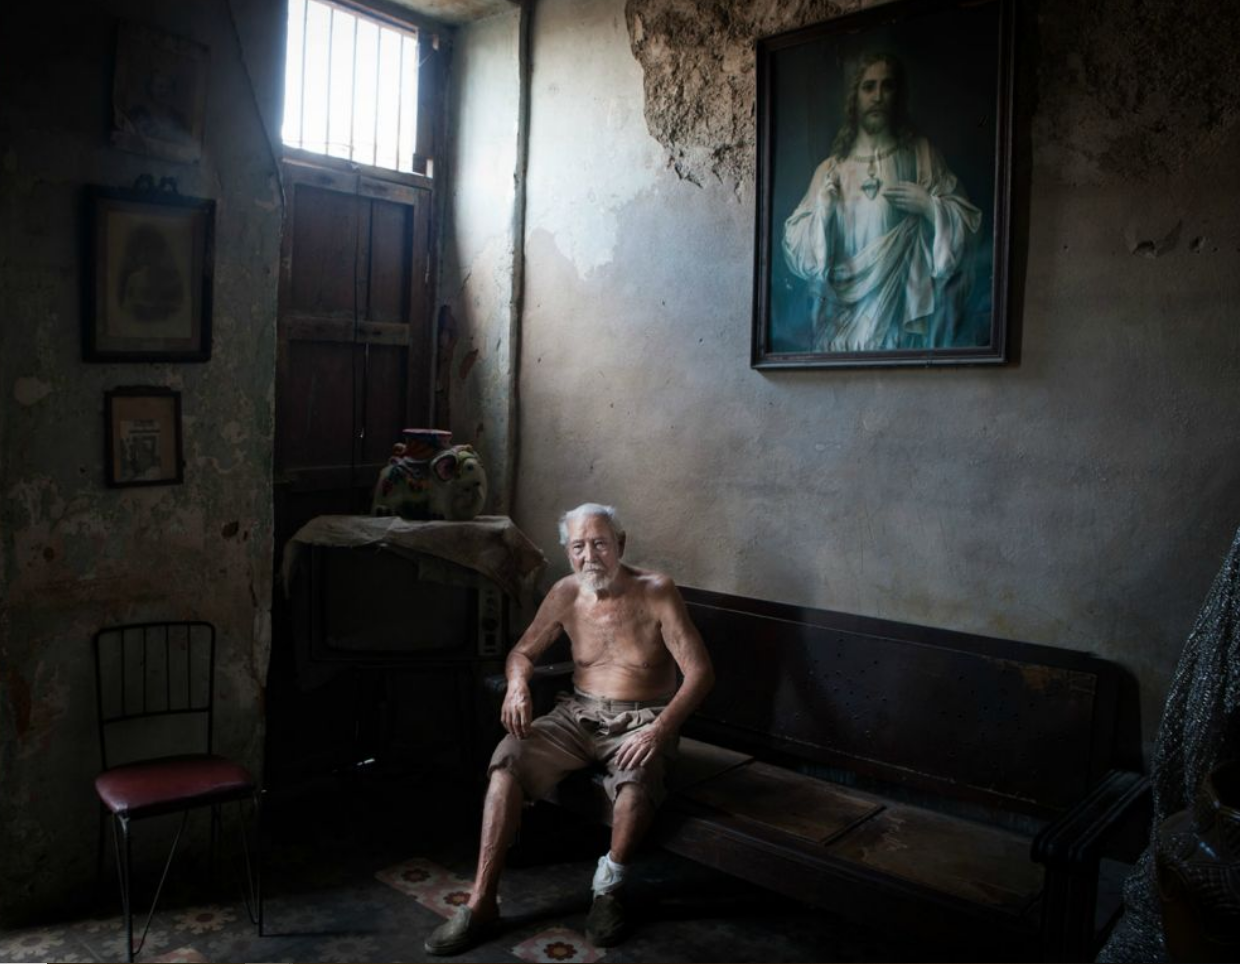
column 697, row 62
column 76, row 555
column 1128, row 89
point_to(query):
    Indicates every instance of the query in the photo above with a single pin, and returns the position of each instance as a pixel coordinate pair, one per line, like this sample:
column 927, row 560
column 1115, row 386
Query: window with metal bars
column 351, row 87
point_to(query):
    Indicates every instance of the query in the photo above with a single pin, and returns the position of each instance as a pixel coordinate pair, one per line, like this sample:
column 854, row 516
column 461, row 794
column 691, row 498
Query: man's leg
column 631, row 816
column 501, row 816
column 533, row 765
column 630, row 819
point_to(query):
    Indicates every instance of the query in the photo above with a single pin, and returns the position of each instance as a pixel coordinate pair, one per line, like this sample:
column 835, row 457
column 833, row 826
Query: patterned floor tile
column 416, row 876
column 349, row 947
column 204, row 920
column 32, row 945
column 182, row 955
column 557, row 945
column 446, row 897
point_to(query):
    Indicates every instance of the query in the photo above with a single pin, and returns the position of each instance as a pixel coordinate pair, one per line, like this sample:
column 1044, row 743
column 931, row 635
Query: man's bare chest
column 621, row 630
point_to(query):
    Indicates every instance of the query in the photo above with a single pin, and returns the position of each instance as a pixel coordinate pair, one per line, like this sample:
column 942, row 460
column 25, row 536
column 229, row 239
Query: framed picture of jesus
column 884, row 152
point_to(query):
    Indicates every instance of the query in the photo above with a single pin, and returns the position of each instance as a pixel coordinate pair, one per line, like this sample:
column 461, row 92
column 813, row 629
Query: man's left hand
column 641, row 748
column 911, row 197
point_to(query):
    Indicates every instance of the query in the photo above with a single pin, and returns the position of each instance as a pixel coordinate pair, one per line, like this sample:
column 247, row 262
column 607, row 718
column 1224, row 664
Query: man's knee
column 504, row 780
column 635, row 798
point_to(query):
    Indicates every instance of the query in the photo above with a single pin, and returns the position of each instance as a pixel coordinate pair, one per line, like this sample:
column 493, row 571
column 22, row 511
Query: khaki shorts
column 583, row 730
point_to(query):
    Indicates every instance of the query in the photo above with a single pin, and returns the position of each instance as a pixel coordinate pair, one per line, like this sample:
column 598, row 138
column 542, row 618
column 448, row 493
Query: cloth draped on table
column 489, row 544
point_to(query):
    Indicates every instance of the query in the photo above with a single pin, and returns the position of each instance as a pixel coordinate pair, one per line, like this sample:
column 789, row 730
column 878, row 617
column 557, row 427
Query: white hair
column 585, row 511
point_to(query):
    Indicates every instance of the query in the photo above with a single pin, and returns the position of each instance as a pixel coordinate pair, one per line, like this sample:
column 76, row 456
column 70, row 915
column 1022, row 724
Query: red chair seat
column 172, row 783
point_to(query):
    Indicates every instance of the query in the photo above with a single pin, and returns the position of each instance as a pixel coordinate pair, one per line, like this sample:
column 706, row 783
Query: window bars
column 350, row 86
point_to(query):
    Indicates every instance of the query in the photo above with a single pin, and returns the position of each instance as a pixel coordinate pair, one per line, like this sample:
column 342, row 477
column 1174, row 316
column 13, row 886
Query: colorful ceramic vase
column 422, row 444
column 429, row 478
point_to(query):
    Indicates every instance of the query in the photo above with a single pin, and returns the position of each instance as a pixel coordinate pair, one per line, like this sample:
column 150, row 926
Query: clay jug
column 1197, row 852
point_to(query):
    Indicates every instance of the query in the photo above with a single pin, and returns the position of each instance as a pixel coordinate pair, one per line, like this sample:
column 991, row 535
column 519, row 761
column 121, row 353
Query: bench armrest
column 1071, row 850
column 1075, row 840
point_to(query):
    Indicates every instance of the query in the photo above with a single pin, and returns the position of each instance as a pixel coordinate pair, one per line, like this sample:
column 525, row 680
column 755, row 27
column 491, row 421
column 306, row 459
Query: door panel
column 392, row 261
column 387, row 374
column 327, row 241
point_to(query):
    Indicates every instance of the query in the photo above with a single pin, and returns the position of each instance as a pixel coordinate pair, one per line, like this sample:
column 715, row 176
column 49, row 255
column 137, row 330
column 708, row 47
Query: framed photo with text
column 143, row 432
column 884, row 157
column 150, row 262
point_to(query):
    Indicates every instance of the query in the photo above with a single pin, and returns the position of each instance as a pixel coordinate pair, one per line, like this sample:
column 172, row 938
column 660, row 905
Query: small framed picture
column 159, row 94
column 143, row 432
column 148, row 286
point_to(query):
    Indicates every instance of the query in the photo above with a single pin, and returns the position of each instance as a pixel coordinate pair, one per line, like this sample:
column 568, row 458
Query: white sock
column 609, row 876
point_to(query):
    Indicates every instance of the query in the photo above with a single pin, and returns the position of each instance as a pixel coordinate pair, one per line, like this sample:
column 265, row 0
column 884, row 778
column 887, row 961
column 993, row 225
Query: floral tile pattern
column 429, row 884
column 350, row 948
column 414, row 876
column 33, row 945
column 202, row 920
column 557, row 945
column 446, row 897
column 181, row 954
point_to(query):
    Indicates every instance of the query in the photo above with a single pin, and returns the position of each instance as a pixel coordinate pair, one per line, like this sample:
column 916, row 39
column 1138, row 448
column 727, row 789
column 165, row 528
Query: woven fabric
column 1199, row 729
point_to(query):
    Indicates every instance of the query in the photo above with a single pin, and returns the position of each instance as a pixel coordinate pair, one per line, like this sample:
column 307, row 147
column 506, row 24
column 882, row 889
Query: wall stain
column 1126, row 74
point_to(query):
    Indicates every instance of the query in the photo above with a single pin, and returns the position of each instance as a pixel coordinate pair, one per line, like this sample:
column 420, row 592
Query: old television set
column 383, row 665
column 376, row 605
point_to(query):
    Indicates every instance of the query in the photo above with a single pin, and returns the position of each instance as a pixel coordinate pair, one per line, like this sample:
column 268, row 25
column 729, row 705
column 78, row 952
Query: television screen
column 381, row 603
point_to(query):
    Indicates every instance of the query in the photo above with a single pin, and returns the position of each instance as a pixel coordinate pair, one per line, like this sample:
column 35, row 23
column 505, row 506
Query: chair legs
column 252, row 893
column 123, row 852
column 254, row 876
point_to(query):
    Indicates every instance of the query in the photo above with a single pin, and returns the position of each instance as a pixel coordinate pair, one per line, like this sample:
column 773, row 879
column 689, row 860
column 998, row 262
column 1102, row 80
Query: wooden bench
column 953, row 786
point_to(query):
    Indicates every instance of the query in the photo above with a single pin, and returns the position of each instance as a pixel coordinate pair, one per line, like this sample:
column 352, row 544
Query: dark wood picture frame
column 151, row 261
column 142, row 428
column 850, row 270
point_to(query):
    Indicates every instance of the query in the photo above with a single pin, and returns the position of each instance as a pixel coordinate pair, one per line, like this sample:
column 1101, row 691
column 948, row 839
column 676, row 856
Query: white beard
column 596, row 582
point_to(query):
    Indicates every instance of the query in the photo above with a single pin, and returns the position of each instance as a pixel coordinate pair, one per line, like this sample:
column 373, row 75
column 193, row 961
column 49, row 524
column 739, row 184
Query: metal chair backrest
column 145, row 671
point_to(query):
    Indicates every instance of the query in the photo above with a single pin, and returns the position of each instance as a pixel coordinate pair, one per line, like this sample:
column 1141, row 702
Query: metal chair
column 155, row 689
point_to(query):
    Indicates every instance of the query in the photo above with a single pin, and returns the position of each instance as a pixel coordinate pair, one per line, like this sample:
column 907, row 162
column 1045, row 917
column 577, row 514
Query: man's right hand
column 518, row 710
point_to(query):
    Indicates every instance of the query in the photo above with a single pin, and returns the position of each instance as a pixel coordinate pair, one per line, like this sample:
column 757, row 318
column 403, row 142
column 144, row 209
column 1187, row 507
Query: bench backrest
column 1013, row 726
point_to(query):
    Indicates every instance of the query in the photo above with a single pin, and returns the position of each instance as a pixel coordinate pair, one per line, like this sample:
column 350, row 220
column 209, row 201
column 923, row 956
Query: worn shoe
column 458, row 934
column 605, row 924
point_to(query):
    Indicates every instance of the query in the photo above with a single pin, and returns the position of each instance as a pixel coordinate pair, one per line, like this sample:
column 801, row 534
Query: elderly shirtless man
column 629, row 632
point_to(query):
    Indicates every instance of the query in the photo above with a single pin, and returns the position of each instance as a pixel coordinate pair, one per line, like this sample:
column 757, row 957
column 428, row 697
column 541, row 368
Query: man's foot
column 605, row 924
column 457, row 935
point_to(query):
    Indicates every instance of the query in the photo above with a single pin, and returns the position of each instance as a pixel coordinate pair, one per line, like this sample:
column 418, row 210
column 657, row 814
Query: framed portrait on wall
column 883, row 188
column 150, row 263
column 159, row 93
column 143, row 433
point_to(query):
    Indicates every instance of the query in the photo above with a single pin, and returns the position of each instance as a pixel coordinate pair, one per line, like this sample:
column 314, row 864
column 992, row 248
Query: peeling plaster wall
column 74, row 555
column 1082, row 498
column 477, row 275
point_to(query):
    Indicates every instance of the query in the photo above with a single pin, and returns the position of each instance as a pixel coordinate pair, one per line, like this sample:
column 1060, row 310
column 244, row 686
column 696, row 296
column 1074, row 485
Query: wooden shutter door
column 354, row 364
